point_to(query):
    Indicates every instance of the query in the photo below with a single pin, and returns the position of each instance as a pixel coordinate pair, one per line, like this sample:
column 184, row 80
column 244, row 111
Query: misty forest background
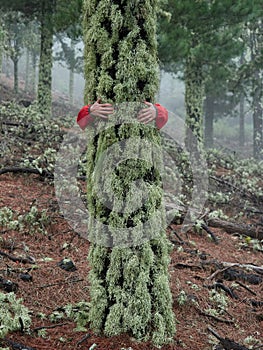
column 220, row 40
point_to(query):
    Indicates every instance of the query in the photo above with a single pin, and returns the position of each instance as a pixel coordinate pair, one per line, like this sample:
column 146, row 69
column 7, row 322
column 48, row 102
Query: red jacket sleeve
column 84, row 118
column 162, row 116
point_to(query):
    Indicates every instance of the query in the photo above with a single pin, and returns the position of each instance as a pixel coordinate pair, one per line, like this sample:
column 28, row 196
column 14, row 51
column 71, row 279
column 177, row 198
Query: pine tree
column 53, row 15
column 200, row 36
column 129, row 283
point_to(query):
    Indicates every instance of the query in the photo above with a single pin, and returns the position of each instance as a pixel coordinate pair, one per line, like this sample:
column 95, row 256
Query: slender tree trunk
column 194, row 96
column 129, row 254
column 15, row 61
column 258, row 117
column 27, row 73
column 33, row 74
column 45, row 62
column 71, row 86
column 242, row 113
column 71, row 73
column 242, row 120
column 209, row 121
column 257, row 95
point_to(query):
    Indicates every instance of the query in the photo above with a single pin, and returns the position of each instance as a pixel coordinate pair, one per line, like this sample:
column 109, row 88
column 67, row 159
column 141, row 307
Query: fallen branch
column 245, row 287
column 176, row 214
column 86, row 336
column 21, row 170
column 244, row 266
column 232, row 227
column 227, row 271
column 227, row 290
column 27, row 260
column 227, row 344
column 207, row 229
column 17, row 346
column 247, row 193
column 48, row 327
column 219, row 319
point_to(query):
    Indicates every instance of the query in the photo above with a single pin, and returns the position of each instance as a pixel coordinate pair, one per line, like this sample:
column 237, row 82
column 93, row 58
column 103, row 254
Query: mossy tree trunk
column 256, row 45
column 209, row 121
column 194, row 97
column 129, row 281
column 45, row 63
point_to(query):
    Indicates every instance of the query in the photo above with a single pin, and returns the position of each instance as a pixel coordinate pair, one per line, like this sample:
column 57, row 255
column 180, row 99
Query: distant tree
column 53, row 15
column 256, row 46
column 71, row 57
column 202, row 34
column 247, row 83
column 2, row 39
column 15, row 24
column 32, row 45
column 129, row 285
column 219, row 101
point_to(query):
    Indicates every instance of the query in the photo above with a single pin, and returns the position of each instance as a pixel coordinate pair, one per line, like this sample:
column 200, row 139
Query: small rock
column 67, row 264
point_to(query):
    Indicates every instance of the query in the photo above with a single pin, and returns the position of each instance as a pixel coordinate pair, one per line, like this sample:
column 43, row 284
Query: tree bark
column 194, row 96
column 45, row 63
column 129, row 280
column 257, row 93
column 242, row 121
column 15, row 61
column 209, row 121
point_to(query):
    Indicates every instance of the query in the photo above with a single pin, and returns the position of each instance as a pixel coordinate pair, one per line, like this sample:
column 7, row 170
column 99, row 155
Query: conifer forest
column 131, row 174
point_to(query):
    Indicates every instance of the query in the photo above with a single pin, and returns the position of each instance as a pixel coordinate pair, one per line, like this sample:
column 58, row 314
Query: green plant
column 182, row 298
column 34, row 221
column 13, row 314
column 219, row 301
column 76, row 312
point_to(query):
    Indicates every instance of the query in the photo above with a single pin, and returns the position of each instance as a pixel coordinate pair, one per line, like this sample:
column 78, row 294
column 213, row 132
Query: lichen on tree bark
column 129, row 253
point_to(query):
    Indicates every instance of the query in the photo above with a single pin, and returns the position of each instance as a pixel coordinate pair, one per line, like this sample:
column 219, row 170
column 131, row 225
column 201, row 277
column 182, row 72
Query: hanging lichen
column 129, row 254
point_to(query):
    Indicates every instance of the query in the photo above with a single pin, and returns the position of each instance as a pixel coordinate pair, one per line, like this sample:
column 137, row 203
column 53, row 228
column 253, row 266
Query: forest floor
column 197, row 270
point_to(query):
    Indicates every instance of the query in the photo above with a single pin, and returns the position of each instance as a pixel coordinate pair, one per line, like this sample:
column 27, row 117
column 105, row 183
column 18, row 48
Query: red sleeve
column 162, row 116
column 84, row 118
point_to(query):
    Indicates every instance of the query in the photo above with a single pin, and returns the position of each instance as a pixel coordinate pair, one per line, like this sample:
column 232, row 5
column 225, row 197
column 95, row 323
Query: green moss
column 124, row 162
column 13, row 314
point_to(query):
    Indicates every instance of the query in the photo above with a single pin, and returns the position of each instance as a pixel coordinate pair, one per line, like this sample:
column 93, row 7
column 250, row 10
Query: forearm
column 84, row 117
column 161, row 117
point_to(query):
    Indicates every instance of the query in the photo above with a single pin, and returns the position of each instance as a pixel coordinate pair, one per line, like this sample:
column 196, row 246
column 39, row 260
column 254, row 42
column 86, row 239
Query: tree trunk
column 242, row 120
column 71, row 86
column 71, row 73
column 256, row 51
column 15, row 61
column 27, row 71
column 129, row 254
column 194, row 96
column 242, row 113
column 45, row 63
column 258, row 117
column 209, row 121
column 33, row 87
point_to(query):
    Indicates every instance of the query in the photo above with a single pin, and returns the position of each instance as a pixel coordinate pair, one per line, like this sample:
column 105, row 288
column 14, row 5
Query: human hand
column 101, row 110
column 148, row 114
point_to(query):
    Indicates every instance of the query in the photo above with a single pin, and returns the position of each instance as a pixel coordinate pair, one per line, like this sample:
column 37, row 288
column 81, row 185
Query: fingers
column 147, row 115
column 101, row 110
column 104, row 110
